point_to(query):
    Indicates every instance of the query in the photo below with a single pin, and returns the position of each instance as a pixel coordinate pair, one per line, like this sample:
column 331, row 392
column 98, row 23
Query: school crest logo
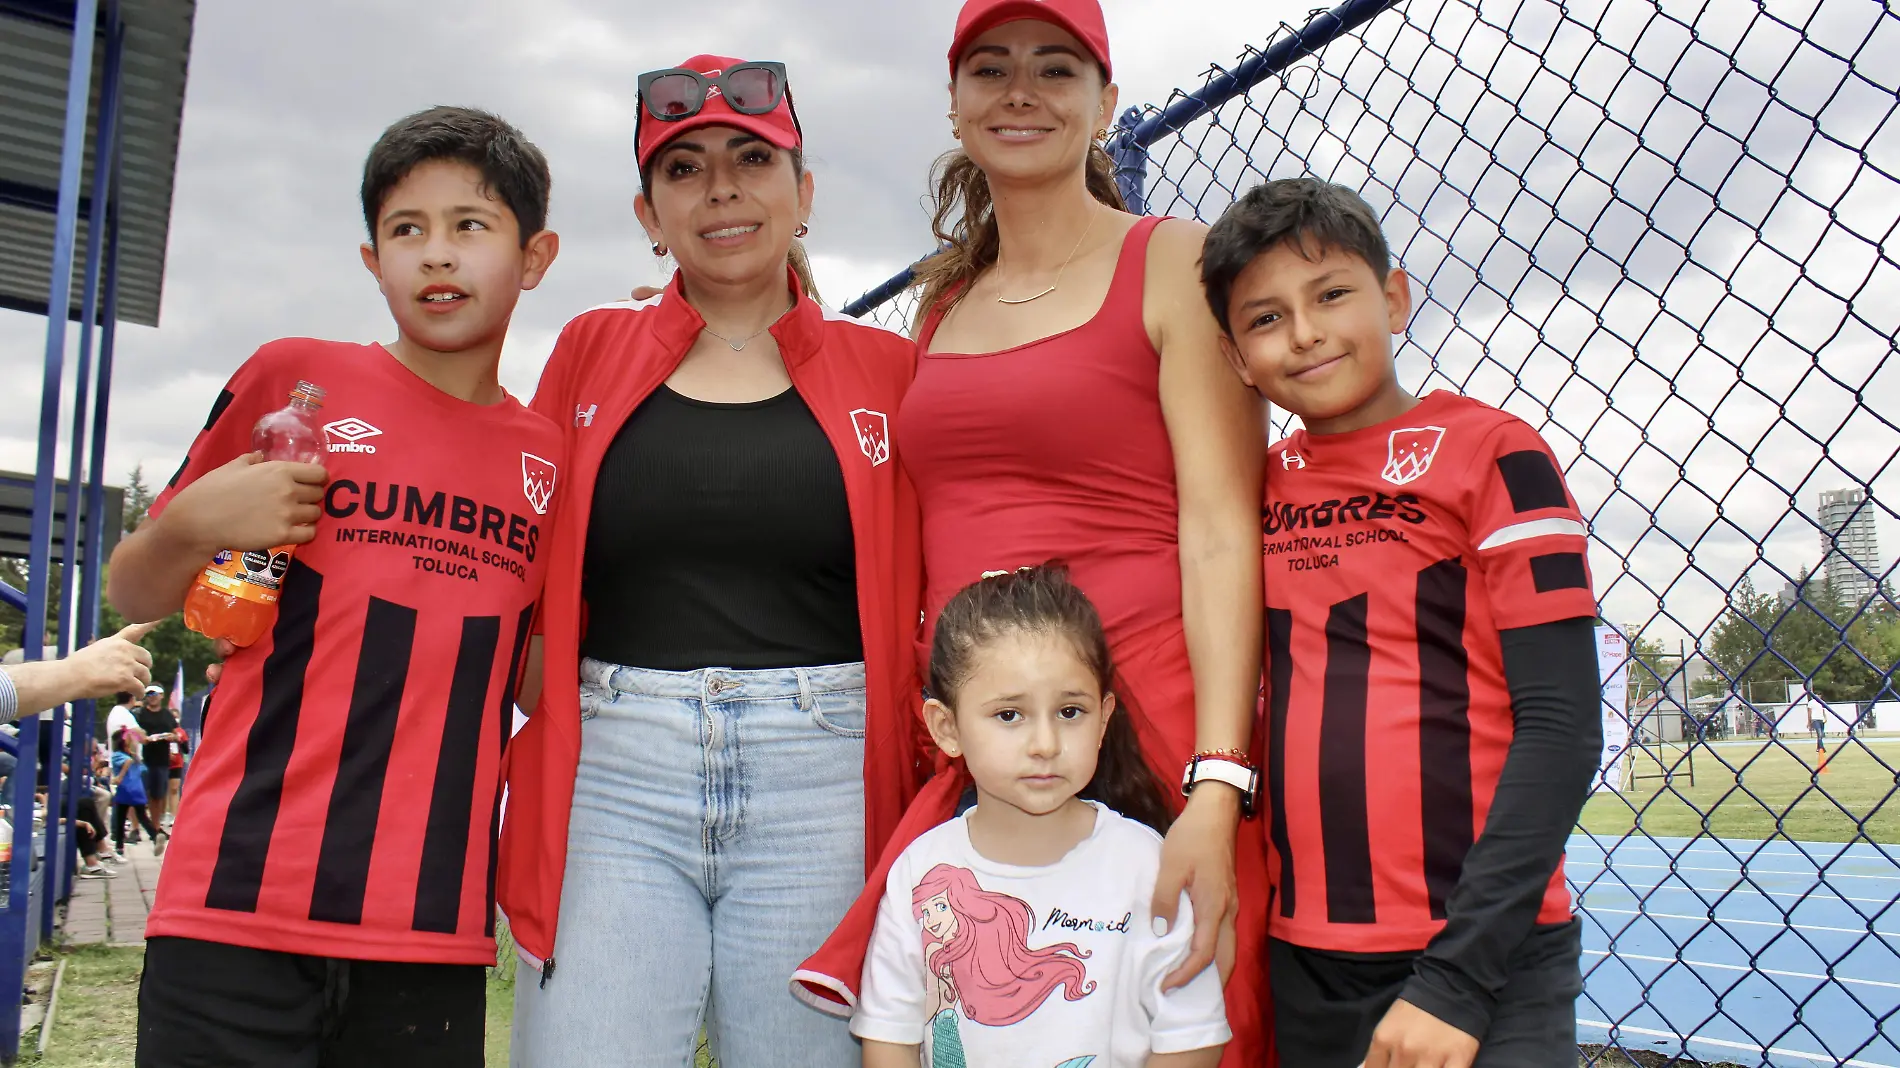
column 537, row 481
column 874, row 434
column 1409, row 452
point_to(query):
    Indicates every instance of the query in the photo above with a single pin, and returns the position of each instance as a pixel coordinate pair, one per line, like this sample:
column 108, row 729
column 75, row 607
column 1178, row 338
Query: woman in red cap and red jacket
column 731, row 600
column 1071, row 402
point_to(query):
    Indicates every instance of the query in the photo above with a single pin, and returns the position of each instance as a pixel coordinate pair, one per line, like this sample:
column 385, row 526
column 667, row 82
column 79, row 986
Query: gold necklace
column 1000, row 299
column 739, row 345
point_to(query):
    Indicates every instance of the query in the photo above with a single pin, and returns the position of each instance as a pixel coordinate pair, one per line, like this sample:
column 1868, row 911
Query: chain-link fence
column 1659, row 231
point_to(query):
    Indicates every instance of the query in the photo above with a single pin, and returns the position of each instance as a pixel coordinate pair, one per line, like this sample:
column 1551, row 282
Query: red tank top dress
column 1057, row 449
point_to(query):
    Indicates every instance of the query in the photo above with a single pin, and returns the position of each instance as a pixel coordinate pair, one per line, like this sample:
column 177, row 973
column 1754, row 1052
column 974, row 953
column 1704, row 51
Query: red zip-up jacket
column 852, row 375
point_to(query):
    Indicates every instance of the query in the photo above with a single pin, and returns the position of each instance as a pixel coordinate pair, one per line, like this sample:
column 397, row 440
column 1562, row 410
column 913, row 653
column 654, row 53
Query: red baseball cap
column 1083, row 18
column 777, row 126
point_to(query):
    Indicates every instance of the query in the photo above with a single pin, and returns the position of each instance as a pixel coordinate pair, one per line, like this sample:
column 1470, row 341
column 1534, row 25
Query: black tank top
column 721, row 537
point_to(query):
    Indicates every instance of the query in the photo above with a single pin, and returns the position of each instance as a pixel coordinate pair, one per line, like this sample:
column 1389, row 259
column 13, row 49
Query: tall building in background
column 1850, row 558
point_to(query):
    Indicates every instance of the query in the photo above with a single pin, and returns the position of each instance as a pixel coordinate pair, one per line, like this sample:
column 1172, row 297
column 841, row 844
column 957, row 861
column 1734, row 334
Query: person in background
column 128, row 793
column 160, row 727
column 124, row 714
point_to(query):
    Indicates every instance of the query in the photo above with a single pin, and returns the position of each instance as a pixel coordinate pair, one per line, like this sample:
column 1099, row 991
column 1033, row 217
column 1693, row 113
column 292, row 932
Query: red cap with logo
column 1083, row 18
column 777, row 126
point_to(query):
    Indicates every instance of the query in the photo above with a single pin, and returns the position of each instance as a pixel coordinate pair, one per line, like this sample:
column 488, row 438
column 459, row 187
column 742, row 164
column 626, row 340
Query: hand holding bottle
column 250, row 503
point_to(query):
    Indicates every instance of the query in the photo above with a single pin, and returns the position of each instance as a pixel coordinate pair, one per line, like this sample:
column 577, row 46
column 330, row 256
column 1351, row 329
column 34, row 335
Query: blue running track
column 1763, row 953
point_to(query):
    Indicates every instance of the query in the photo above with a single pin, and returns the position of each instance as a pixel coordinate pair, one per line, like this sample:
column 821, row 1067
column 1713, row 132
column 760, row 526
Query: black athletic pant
column 1326, row 1005
column 88, row 813
column 118, row 823
column 211, row 1005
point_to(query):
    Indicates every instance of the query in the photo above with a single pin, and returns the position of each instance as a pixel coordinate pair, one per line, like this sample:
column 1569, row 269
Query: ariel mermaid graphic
column 976, row 950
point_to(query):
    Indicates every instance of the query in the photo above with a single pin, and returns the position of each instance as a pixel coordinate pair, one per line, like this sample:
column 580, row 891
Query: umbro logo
column 346, row 435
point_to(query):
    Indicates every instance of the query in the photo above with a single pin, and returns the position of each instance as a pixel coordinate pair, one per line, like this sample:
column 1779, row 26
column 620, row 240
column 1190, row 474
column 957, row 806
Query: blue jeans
column 717, row 837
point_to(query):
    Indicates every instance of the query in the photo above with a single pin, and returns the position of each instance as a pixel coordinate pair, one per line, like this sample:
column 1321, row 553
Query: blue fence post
column 75, row 630
column 13, row 923
column 1131, row 162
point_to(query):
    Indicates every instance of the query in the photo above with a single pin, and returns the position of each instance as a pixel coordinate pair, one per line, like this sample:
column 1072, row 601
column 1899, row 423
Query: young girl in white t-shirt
column 1019, row 933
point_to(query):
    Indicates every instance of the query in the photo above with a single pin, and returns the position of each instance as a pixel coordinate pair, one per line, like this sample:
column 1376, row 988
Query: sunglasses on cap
column 679, row 93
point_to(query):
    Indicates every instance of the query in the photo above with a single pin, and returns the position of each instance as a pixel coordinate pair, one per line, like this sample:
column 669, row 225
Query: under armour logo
column 585, row 416
column 1292, row 461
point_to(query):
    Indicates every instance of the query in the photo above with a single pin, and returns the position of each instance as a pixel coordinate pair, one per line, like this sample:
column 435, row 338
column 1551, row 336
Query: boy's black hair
column 1312, row 215
column 513, row 170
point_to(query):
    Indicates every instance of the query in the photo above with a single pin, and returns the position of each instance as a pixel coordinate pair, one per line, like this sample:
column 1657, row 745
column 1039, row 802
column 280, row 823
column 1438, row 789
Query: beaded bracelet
column 1238, row 756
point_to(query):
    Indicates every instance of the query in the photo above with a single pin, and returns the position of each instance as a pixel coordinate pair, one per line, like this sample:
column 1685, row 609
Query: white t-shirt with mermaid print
column 989, row 964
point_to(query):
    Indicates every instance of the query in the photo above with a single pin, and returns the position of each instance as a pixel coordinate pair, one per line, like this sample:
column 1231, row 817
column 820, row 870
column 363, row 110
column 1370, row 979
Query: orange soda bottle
column 236, row 596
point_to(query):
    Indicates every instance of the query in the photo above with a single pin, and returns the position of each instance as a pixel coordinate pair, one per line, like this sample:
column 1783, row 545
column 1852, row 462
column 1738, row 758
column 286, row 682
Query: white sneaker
column 101, row 872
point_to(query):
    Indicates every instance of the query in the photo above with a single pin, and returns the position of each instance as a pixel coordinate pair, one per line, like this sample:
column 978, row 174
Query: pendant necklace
column 1000, row 299
column 738, row 344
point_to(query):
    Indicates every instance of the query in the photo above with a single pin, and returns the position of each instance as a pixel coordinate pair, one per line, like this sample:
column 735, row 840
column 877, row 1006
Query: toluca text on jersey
column 344, row 499
column 1277, row 517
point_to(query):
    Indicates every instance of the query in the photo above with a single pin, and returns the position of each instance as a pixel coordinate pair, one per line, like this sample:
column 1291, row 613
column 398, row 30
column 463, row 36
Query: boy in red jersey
column 1429, row 660
column 329, row 895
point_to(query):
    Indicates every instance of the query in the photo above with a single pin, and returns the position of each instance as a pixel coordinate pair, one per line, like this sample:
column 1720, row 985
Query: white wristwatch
column 1201, row 769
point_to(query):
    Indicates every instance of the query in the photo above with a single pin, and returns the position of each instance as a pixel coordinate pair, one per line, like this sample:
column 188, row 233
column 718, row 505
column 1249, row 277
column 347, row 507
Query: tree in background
column 1838, row 652
column 1650, row 667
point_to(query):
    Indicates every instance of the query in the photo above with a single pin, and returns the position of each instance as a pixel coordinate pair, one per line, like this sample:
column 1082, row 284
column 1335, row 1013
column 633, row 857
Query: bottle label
column 255, row 576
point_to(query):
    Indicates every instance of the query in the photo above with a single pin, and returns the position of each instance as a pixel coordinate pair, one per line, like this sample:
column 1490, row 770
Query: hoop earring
column 659, row 249
column 955, row 133
column 801, row 231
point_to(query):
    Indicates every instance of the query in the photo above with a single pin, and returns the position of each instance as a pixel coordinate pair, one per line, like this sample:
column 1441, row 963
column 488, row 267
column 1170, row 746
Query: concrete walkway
column 112, row 911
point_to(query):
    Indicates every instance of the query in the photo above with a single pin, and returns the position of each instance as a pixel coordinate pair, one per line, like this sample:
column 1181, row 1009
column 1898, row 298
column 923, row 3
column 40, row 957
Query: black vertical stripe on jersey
column 356, row 797
column 1444, row 728
column 452, row 801
column 1342, row 766
column 1279, row 692
column 225, row 397
column 250, row 817
column 505, row 726
column 1532, row 481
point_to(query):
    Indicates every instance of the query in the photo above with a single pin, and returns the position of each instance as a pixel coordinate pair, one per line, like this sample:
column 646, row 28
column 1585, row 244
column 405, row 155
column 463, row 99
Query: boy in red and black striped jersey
column 1431, row 677
column 329, row 896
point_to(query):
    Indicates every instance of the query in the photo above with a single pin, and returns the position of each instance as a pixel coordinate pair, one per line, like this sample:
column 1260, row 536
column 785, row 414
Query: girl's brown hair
column 963, row 194
column 1042, row 600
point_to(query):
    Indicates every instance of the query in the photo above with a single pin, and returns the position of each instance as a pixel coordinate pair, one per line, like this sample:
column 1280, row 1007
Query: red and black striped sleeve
column 258, row 387
column 1529, row 538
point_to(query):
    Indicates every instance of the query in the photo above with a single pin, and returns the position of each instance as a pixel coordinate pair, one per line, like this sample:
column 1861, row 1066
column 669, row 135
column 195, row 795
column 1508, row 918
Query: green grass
column 1790, row 796
column 96, row 1024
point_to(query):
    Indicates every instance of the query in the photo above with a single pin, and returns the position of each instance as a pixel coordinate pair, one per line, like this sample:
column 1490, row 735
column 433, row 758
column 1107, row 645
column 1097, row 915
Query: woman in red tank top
column 1071, row 402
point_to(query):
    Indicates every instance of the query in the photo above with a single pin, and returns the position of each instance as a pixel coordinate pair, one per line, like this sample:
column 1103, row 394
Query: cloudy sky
column 285, row 99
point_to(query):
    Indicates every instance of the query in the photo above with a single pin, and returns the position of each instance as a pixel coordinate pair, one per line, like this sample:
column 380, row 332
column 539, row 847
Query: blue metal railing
column 41, row 868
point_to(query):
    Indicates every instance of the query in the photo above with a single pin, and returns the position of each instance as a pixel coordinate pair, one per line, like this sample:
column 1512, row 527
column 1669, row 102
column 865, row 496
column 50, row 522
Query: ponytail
column 801, row 266
column 972, row 241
